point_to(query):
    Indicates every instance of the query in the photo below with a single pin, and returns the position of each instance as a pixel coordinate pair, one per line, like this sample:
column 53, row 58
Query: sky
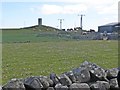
column 17, row 13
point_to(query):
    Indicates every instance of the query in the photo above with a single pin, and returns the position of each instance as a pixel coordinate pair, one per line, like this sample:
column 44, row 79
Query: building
column 109, row 28
column 39, row 21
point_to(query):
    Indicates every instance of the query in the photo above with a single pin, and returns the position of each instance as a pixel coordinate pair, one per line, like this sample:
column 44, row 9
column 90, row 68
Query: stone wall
column 88, row 76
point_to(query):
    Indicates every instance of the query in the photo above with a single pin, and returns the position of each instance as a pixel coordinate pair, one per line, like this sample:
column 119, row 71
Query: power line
column 60, row 23
column 81, row 20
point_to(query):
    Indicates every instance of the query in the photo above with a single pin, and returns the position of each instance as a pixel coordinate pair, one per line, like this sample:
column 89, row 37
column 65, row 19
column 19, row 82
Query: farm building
column 109, row 28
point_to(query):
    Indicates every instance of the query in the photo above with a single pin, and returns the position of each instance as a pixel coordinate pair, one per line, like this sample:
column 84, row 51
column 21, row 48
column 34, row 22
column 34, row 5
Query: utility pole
column 60, row 23
column 81, row 20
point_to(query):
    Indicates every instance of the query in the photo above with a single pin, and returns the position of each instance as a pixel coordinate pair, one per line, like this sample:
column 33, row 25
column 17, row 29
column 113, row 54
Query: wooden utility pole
column 81, row 20
column 60, row 23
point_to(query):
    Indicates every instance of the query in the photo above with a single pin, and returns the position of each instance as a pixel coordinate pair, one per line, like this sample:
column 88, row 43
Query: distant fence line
column 78, row 36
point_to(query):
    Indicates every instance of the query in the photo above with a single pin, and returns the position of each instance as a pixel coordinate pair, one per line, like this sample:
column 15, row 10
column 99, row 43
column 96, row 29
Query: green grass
column 23, row 35
column 50, row 53
column 28, row 34
column 20, row 60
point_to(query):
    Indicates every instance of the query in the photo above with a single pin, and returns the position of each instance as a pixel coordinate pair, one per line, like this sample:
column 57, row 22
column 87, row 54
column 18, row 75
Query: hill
column 41, row 28
column 28, row 34
column 35, row 27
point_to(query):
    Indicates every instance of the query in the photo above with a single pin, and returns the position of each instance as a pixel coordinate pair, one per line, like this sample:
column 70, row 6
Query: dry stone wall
column 88, row 76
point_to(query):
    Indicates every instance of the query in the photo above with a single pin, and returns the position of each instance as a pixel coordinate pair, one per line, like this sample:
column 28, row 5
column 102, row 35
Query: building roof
column 111, row 24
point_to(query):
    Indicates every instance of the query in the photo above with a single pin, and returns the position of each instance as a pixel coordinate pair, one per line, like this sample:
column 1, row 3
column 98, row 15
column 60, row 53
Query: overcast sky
column 16, row 13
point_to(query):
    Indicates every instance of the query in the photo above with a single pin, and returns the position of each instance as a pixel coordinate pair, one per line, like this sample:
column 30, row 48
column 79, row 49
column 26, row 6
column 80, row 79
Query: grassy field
column 9, row 36
column 12, row 36
column 37, row 35
column 20, row 60
column 47, row 52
